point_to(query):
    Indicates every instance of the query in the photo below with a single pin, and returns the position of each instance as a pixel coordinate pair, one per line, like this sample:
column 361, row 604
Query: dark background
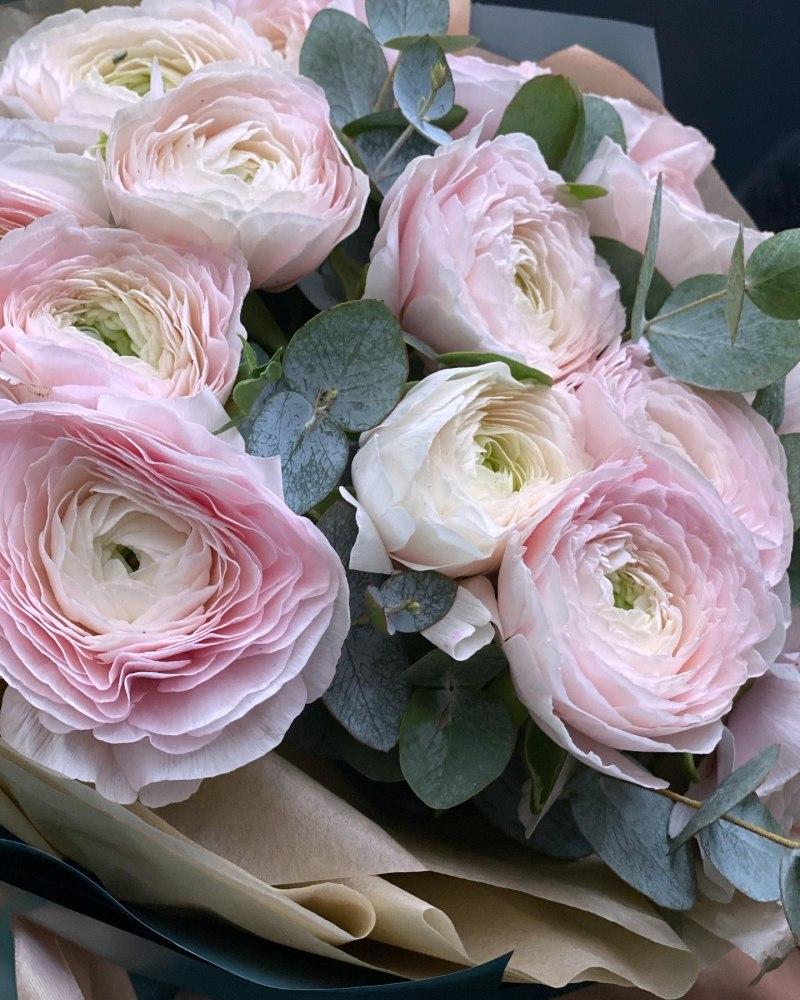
column 732, row 68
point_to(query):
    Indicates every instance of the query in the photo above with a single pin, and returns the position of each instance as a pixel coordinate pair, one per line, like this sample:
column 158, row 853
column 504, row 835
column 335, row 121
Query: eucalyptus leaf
column 729, row 793
column 601, row 119
column 748, row 861
column 390, row 19
column 338, row 525
column 341, row 55
column 626, row 264
column 692, row 343
column 549, row 109
column 790, row 892
column 638, row 309
column 791, row 446
column 794, row 572
column 412, row 601
column 350, row 362
column 519, row 370
column 247, row 390
column 394, row 118
column 438, row 670
column 350, row 274
column 260, row 324
column 447, row 43
column 773, row 275
column 583, row 192
column 544, row 760
column 627, row 825
column 770, row 402
column 424, row 89
column 453, row 744
column 376, row 145
column 734, row 293
column 502, row 689
column 557, row 835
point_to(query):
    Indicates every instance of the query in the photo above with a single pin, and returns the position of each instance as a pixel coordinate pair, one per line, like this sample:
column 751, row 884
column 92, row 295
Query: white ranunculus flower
column 467, row 456
column 79, row 68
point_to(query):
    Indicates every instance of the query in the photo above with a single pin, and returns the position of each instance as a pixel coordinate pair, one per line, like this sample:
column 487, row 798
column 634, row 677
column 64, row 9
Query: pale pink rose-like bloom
column 634, row 613
column 791, row 412
column 485, row 88
column 79, row 68
column 723, row 437
column 164, row 617
column 237, row 155
column 39, row 176
column 692, row 241
column 88, row 311
column 476, row 253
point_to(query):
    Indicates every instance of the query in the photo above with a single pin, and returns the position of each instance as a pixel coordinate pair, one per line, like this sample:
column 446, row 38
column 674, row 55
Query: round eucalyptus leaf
column 341, row 55
column 447, row 43
column 601, row 119
column 694, row 344
column 338, row 525
column 790, row 891
column 438, row 670
column 374, row 145
column 313, row 450
column 349, row 362
column 625, row 264
column 424, row 89
column 412, row 601
column 773, row 275
column 770, row 402
column 395, row 19
column 748, row 861
column 791, row 447
column 453, row 744
column 550, row 110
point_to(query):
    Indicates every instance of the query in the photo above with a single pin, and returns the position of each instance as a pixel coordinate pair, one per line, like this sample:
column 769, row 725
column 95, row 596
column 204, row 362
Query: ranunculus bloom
column 163, row 615
column 691, row 241
column 36, row 178
column 634, row 612
column 284, row 23
column 484, row 88
column 466, row 457
column 791, row 413
column 237, row 155
column 80, row 68
column 719, row 433
column 770, row 713
column 89, row 311
column 476, row 253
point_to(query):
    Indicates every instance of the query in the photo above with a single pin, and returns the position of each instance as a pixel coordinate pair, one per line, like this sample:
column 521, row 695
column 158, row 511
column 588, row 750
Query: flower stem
column 396, row 145
column 713, row 297
column 385, row 88
column 776, row 838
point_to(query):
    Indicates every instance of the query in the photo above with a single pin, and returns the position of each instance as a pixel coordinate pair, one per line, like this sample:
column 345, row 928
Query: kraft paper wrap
column 293, row 854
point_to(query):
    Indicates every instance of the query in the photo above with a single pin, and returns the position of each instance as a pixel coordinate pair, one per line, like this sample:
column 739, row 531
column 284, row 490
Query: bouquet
column 401, row 471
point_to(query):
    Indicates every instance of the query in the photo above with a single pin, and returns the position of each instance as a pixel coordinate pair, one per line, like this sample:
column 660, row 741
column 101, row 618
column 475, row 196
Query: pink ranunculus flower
column 163, row 615
column 476, row 253
column 485, row 88
column 718, row 433
column 39, row 175
column 692, row 241
column 634, row 613
column 284, row 23
column 237, row 155
column 79, row 68
column 88, row 311
column 791, row 412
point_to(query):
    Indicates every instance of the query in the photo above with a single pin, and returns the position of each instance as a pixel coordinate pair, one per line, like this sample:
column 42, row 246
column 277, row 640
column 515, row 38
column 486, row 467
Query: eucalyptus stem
column 713, row 297
column 776, row 838
column 396, row 145
column 385, row 88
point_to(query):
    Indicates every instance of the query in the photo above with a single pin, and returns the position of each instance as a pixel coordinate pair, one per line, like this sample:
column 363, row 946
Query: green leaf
column 773, row 275
column 453, row 744
column 692, row 343
column 626, row 265
column 424, row 89
column 502, row 689
column 341, row 55
column 544, row 760
column 368, row 695
column 390, row 19
column 748, row 861
column 729, row 793
column 648, row 267
column 734, row 293
column 260, row 324
column 790, row 892
column 351, row 275
column 313, row 450
column 447, row 43
column 627, row 825
column 412, row 601
column 791, row 446
column 338, row 525
column 519, row 370
column 394, row 118
column 550, row 110
column 794, row 572
column 374, row 146
column 583, row 192
column 247, row 391
column 601, row 119
column 770, row 402
column 350, row 362
column 438, row 670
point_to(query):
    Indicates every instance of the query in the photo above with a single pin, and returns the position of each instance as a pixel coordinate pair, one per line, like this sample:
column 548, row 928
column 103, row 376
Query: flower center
column 105, row 325
column 626, row 590
column 503, row 456
column 127, row 556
